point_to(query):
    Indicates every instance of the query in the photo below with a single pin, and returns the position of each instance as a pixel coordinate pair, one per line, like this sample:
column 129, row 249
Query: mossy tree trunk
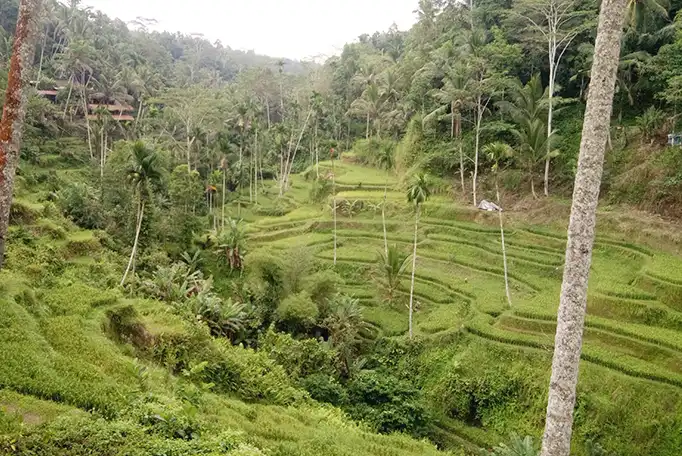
column 14, row 110
column 581, row 231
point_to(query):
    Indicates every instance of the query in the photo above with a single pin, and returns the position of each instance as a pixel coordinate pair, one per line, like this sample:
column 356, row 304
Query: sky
column 298, row 29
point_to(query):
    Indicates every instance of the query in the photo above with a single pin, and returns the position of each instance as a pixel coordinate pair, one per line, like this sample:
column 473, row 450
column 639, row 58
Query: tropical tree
column 498, row 152
column 144, row 173
column 556, row 23
column 418, row 193
column 344, row 323
column 387, row 162
column 581, row 231
column 533, row 145
column 14, row 110
column 454, row 95
column 231, row 243
column 392, row 265
column 637, row 10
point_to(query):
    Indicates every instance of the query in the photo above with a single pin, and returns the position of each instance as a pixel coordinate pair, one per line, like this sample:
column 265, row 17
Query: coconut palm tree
column 417, row 194
column 638, row 9
column 231, row 244
column 144, row 173
column 392, row 265
column 533, row 146
column 581, row 232
column 496, row 153
column 454, row 95
column 387, row 162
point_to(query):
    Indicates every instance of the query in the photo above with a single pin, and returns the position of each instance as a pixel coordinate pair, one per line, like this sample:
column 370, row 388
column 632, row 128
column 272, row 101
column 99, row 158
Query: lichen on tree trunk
column 581, row 231
column 14, row 110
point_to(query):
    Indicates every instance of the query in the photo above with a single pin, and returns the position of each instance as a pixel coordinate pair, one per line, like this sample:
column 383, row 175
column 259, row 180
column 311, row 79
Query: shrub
column 79, row 203
column 323, row 286
column 325, row 388
column 297, row 312
column 300, row 358
column 386, row 403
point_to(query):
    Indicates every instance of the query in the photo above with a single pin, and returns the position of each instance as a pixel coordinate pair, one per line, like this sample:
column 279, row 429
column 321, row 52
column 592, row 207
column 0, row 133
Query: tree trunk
column 571, row 316
column 367, row 132
column 414, row 268
column 222, row 212
column 87, row 122
column 68, row 97
column 504, row 247
column 383, row 215
column 14, row 110
column 140, row 215
column 461, row 152
column 479, row 118
column 334, row 203
column 42, row 56
column 255, row 166
column 550, row 111
column 532, row 186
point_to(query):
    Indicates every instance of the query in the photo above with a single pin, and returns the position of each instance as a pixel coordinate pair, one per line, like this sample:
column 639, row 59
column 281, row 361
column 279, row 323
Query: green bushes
column 79, row 202
column 386, row 403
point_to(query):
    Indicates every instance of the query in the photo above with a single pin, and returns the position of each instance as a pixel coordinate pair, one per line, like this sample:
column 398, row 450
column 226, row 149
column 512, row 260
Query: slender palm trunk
column 532, row 186
column 14, row 110
column 504, row 247
column 414, row 268
column 222, row 212
column 42, row 56
column 383, row 215
column 581, row 231
column 334, row 204
column 255, row 167
column 479, row 119
column 68, row 97
column 550, row 111
column 367, row 132
column 140, row 215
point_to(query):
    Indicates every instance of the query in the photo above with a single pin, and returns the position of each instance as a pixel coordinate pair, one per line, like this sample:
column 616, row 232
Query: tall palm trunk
column 414, row 267
column 479, row 119
column 550, row 112
column 504, row 247
column 571, row 316
column 68, row 97
column 255, row 167
column 458, row 134
column 140, row 215
column 367, row 132
column 222, row 212
column 334, row 204
column 383, row 215
column 14, row 110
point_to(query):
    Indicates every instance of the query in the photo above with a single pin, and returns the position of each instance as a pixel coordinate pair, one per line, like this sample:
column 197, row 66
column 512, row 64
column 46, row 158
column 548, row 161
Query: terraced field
column 634, row 323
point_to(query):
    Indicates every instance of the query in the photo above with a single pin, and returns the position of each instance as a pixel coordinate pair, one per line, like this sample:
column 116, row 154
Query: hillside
column 86, row 369
column 84, row 363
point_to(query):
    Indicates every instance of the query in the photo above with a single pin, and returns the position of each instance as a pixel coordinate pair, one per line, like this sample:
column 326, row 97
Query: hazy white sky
column 280, row 28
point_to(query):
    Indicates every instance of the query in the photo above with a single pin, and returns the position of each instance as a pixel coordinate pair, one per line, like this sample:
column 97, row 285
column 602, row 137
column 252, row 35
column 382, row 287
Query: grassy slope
column 58, row 366
column 633, row 341
column 56, row 361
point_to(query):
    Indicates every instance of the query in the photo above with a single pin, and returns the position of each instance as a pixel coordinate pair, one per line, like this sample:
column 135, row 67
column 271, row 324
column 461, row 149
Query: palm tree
column 386, row 161
column 497, row 152
column 533, row 145
column 637, row 9
column 231, row 244
column 454, row 95
column 344, row 323
column 12, row 123
column 417, row 194
column 528, row 102
column 143, row 174
column 581, row 231
column 369, row 104
column 392, row 265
